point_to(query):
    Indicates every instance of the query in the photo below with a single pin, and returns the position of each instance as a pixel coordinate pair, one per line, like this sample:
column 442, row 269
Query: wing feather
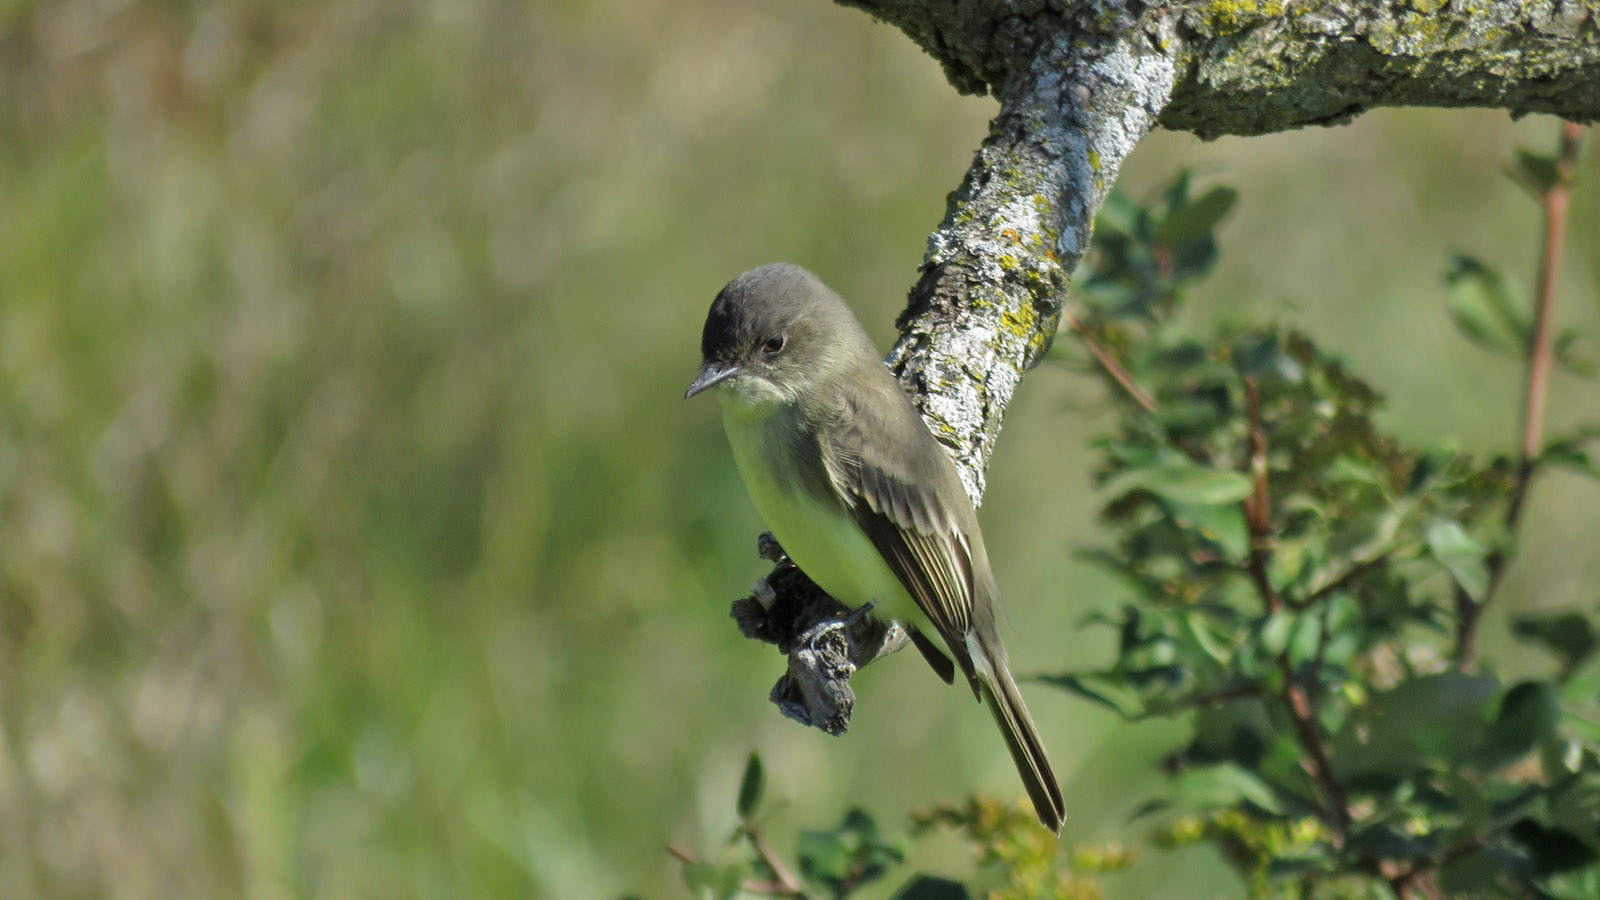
column 893, row 492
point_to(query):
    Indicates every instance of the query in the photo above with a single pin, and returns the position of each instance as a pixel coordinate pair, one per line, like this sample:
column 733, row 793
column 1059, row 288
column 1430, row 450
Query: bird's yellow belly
column 821, row 539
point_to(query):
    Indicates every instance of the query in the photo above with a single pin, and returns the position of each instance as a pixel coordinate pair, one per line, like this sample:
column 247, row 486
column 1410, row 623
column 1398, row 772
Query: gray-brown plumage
column 857, row 490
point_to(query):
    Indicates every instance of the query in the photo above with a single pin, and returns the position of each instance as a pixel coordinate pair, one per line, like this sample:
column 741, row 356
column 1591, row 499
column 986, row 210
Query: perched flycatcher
column 857, row 490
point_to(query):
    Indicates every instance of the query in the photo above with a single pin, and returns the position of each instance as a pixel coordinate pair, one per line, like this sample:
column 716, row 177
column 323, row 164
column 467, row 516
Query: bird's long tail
column 1022, row 739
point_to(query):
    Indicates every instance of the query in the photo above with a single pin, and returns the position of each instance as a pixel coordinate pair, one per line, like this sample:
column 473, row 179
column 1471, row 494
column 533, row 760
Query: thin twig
column 787, row 884
column 1541, row 356
column 1302, row 714
column 783, row 883
column 1335, row 807
column 1109, row 362
column 680, row 854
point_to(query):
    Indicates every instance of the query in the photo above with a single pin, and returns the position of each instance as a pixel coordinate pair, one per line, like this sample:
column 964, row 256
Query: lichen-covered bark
column 1257, row 67
column 1080, row 83
column 989, row 299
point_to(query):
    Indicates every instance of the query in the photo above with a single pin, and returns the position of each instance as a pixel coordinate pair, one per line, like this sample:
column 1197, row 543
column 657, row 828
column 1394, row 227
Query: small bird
column 857, row 489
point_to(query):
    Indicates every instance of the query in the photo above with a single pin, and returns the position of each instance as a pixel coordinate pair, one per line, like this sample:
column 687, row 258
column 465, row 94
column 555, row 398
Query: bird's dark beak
column 711, row 375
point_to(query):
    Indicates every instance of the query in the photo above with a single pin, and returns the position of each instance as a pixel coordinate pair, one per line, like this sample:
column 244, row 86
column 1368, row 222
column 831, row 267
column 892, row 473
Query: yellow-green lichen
column 1228, row 16
column 1018, row 323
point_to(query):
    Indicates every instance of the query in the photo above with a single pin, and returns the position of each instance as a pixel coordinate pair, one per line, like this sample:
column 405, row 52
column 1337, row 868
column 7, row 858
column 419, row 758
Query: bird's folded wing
column 892, row 491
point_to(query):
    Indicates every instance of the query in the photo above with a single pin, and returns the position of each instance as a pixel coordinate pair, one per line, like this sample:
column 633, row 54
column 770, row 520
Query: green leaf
column 1568, row 358
column 1223, row 785
column 1576, row 884
column 847, row 857
column 1262, row 354
column 1109, row 690
column 1528, row 715
column 1183, row 483
column 1305, row 637
column 1241, row 732
column 1349, row 469
column 1476, row 874
column 1223, row 525
column 1363, row 536
column 1176, row 194
column 1583, row 683
column 710, row 880
column 1275, row 632
column 823, row 856
column 1574, row 803
column 1383, row 840
column 1432, row 717
column 1570, row 635
column 1553, row 849
column 1570, row 456
column 750, row 787
column 1196, row 218
column 932, row 887
column 1483, row 308
column 1460, row 554
column 1196, row 633
column 1537, row 173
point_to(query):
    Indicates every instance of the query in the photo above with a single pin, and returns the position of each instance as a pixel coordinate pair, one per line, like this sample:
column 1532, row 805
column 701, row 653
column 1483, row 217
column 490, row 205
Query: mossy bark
column 1080, row 84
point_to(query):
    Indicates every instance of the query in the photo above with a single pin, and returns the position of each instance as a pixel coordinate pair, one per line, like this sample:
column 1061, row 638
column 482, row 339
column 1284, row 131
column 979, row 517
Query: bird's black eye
column 773, row 344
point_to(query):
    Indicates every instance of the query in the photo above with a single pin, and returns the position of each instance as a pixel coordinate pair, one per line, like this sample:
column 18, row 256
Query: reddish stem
column 1554, row 201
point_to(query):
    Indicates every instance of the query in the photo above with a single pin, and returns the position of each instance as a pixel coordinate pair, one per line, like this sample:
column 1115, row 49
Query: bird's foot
column 818, row 632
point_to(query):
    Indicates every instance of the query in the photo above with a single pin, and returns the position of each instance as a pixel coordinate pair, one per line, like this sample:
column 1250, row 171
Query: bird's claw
column 817, row 632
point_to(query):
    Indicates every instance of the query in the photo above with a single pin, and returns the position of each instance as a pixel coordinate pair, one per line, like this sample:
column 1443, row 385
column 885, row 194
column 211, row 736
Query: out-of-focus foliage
column 1304, row 589
column 354, row 540
column 1015, row 858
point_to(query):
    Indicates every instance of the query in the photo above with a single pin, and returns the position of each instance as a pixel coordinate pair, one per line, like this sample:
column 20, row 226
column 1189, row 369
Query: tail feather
column 1022, row 739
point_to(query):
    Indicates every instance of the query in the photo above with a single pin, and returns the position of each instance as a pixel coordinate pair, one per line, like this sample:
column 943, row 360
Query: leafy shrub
column 1304, row 591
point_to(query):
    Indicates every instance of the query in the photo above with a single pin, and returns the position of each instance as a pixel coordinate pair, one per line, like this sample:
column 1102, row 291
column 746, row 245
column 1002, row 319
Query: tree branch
column 1080, row 84
column 1274, row 65
column 990, row 297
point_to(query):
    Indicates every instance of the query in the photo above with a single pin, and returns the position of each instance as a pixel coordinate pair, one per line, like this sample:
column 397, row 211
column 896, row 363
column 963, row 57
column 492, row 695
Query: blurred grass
column 354, row 540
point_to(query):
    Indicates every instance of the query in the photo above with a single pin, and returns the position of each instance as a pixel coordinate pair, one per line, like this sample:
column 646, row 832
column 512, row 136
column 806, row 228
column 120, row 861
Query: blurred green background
column 354, row 539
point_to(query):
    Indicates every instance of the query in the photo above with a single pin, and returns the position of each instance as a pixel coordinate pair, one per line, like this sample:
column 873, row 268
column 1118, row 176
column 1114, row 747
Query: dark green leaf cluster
column 840, row 859
column 1294, row 581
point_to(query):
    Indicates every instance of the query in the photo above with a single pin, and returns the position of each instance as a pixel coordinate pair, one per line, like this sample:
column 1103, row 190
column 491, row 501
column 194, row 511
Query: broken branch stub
column 814, row 631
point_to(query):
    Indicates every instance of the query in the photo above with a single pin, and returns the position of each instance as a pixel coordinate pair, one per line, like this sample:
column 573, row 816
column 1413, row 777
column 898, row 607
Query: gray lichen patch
column 995, row 275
